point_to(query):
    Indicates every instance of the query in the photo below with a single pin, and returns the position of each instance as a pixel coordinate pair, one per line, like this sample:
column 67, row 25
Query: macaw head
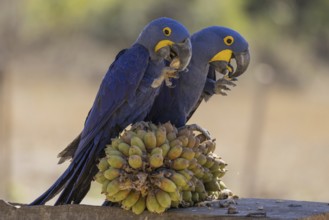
column 219, row 45
column 167, row 39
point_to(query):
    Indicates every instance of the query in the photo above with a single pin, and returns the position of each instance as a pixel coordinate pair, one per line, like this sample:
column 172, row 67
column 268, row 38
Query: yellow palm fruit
column 134, row 150
column 139, row 207
column 187, row 196
column 219, row 173
column 99, row 177
column 199, row 187
column 193, row 163
column 166, row 184
column 187, row 153
column 171, row 136
column 156, row 150
column 168, row 126
column 151, row 202
column 165, row 149
column 207, row 177
column 115, row 143
column 197, row 153
column 126, row 184
column 135, row 161
column 178, row 179
column 180, row 164
column 175, row 204
column 131, row 199
column 111, row 173
column 127, row 136
column 113, row 187
column 175, row 196
column 124, row 148
column 186, row 173
column 116, row 161
column 160, row 210
column 191, row 141
column 209, row 163
column 202, row 159
column 156, row 160
column 175, row 152
column 111, row 151
column 104, row 186
column 210, row 146
column 175, row 142
column 150, row 140
column 140, row 133
column 161, row 136
column 138, row 142
column 163, row 198
column 198, row 171
column 184, row 140
column 119, row 196
column 195, row 197
column 103, row 164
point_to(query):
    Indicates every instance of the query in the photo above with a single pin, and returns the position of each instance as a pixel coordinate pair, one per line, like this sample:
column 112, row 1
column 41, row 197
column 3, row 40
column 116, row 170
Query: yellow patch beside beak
column 224, row 55
column 163, row 43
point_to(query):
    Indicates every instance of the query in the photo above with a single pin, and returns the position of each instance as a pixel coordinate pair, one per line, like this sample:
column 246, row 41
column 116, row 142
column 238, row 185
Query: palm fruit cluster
column 157, row 167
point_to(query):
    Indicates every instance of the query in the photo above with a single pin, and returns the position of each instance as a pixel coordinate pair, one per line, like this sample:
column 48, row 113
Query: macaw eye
column 228, row 40
column 166, row 31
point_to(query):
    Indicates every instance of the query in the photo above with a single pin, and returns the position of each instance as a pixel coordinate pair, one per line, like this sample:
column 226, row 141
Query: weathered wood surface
column 227, row 209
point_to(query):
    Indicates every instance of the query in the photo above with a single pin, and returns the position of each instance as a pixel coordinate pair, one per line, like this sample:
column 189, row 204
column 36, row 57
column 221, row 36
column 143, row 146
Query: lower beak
column 181, row 54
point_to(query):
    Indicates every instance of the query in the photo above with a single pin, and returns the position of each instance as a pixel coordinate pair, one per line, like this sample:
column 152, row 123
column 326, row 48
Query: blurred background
column 272, row 129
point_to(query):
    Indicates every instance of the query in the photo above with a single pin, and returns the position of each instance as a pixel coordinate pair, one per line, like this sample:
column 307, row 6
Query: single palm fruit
column 175, row 196
column 113, row 187
column 127, row 136
column 178, row 179
column 161, row 136
column 198, row 171
column 175, row 152
column 184, row 132
column 124, row 148
column 163, row 198
column 111, row 173
column 156, row 150
column 151, row 202
column 187, row 153
column 140, row 133
column 104, row 186
column 186, row 173
column 202, row 159
column 131, row 199
column 212, row 185
column 193, row 163
column 197, row 142
column 166, row 184
column 150, row 140
column 175, row 142
column 119, row 196
column 199, row 187
column 209, row 163
column 111, row 151
column 195, row 197
column 201, row 137
column 222, row 185
column 197, row 153
column 139, row 207
column 134, row 150
column 115, row 142
column 156, row 160
column 116, row 161
column 187, row 196
column 211, row 146
column 175, row 204
column 168, row 126
column 180, row 164
column 135, row 161
column 103, row 164
column 203, row 196
column 191, row 141
column 165, row 149
column 171, row 136
column 222, row 163
column 127, row 183
column 184, row 140
column 100, row 178
column 207, row 177
column 160, row 209
column 138, row 142
column 219, row 173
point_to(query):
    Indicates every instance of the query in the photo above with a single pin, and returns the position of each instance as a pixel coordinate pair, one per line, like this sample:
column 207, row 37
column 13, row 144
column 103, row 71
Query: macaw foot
column 141, row 125
column 108, row 203
column 196, row 127
column 222, row 85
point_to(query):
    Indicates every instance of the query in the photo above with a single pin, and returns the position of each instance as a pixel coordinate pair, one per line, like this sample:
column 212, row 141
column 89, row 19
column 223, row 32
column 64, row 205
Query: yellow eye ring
column 166, row 31
column 228, row 40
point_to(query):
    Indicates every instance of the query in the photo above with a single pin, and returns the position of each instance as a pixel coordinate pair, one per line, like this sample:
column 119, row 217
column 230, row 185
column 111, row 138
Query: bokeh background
column 272, row 129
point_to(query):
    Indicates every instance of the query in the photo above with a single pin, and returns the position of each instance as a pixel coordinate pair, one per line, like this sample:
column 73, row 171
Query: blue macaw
column 213, row 48
column 125, row 96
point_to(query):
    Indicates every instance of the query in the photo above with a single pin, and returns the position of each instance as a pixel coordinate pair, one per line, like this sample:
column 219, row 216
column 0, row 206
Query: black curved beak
column 180, row 54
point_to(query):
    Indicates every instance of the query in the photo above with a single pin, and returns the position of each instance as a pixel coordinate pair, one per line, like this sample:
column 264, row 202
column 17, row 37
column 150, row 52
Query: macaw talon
column 198, row 128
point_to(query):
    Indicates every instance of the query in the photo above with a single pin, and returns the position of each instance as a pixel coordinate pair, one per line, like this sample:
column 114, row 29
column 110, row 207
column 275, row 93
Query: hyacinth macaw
column 213, row 48
column 125, row 96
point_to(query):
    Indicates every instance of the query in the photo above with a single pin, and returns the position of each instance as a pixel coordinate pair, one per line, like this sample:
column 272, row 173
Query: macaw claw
column 196, row 127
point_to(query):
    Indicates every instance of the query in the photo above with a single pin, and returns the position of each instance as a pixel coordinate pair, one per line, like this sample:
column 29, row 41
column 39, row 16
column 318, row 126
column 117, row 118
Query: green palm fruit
column 103, row 164
column 207, row 177
column 127, row 136
column 198, row 171
column 141, row 133
column 191, row 141
column 153, row 127
column 138, row 142
column 186, row 173
column 175, row 142
column 156, row 160
column 197, row 153
column 193, row 163
column 202, row 159
column 124, row 148
column 222, row 185
column 184, row 140
column 187, row 196
column 180, row 164
column 219, row 173
column 222, row 163
column 212, row 185
column 175, row 196
column 111, row 173
column 150, row 140
column 175, row 204
column 111, row 151
column 195, row 197
column 175, row 152
column 99, row 177
column 203, row 196
column 116, row 161
column 178, row 179
column 199, row 187
column 139, row 207
column 151, row 202
column 156, row 150
column 135, row 161
column 166, row 184
column 163, row 198
column 188, row 154
column 131, row 199
column 171, row 136
column 115, row 143
column 113, row 187
column 209, row 163
column 119, row 196
column 161, row 136
column 160, row 209
column 168, row 126
column 165, row 149
column 104, row 186
column 134, row 150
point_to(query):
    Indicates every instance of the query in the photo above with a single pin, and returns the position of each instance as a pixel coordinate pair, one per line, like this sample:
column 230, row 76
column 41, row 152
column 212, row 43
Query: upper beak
column 181, row 54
